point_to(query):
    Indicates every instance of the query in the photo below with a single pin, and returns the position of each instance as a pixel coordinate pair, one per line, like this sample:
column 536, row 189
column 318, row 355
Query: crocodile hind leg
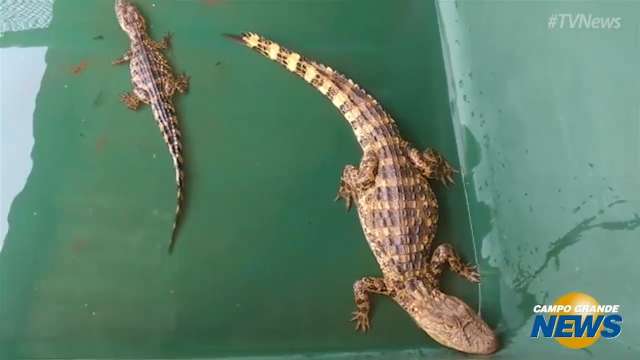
column 361, row 290
column 444, row 254
column 356, row 180
column 432, row 165
column 182, row 83
column 173, row 84
column 131, row 101
column 134, row 99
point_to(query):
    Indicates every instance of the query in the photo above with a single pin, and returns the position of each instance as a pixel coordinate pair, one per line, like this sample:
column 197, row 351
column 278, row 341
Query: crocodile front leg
column 444, row 254
column 123, row 59
column 432, row 165
column 361, row 290
column 164, row 44
column 356, row 180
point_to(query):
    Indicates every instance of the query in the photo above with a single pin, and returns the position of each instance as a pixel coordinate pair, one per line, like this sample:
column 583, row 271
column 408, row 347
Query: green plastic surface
column 543, row 124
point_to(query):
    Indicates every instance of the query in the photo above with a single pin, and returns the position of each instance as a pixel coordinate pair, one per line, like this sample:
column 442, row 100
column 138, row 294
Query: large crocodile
column 397, row 209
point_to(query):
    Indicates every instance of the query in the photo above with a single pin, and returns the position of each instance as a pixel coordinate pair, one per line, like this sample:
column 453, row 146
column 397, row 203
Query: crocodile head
column 449, row 321
column 130, row 19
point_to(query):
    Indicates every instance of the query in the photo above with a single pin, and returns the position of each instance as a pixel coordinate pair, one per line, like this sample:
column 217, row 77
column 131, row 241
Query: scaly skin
column 397, row 209
column 154, row 84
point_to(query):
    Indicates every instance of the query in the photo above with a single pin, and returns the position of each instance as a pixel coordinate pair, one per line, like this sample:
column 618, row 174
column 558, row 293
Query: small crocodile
column 154, row 84
column 398, row 210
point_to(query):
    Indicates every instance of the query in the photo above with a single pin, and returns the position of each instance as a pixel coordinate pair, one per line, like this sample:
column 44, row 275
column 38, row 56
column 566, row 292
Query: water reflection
column 21, row 72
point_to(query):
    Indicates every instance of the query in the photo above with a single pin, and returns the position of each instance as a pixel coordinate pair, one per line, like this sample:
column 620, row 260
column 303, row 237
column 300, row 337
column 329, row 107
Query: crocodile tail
column 362, row 111
column 180, row 199
column 291, row 60
column 178, row 164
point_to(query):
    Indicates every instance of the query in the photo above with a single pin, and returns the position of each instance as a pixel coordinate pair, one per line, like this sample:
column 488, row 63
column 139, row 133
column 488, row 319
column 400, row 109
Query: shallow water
column 265, row 260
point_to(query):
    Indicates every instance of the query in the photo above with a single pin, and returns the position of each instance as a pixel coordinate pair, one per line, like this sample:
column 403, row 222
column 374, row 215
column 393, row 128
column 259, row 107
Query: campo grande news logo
column 576, row 320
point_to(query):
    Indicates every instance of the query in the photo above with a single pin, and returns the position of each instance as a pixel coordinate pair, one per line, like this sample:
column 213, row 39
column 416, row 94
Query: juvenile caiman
column 154, row 84
column 398, row 210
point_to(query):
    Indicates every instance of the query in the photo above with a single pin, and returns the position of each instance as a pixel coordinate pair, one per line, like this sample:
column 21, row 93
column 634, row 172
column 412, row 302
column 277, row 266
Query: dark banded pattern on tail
column 371, row 124
column 180, row 200
column 175, row 148
column 164, row 113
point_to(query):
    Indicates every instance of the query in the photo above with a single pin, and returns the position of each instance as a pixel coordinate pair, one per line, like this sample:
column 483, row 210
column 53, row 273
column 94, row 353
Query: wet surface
column 265, row 261
column 548, row 136
column 22, row 70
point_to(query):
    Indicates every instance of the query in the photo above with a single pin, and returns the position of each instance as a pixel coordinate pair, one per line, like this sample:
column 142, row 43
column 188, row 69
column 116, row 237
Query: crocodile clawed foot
column 361, row 320
column 447, row 173
column 471, row 273
column 442, row 170
column 131, row 101
column 122, row 59
column 182, row 83
column 345, row 193
column 166, row 41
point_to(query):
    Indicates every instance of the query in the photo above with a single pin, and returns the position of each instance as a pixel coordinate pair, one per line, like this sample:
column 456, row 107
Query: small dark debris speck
column 97, row 101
